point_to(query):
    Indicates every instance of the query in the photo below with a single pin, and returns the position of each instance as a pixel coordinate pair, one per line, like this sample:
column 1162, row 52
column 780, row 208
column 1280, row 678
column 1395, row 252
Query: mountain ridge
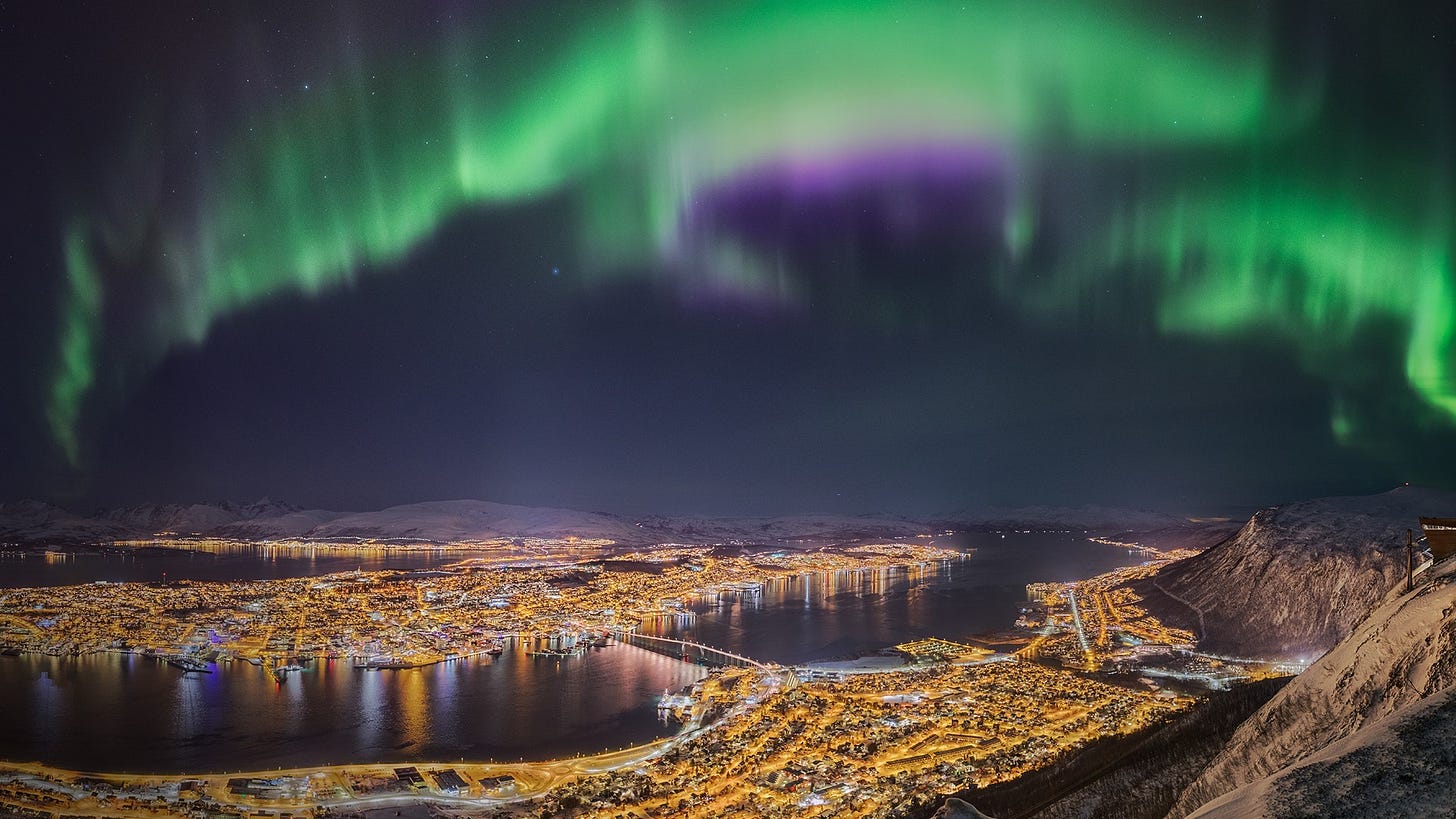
column 460, row 520
column 1296, row 578
column 1394, row 673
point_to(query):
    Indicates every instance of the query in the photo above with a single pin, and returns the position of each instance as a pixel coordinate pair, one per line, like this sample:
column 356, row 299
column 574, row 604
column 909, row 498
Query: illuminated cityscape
column 397, row 619
column 766, row 739
column 643, row 409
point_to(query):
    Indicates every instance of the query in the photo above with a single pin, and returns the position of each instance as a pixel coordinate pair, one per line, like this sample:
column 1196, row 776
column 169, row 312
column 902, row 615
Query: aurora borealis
column 1209, row 175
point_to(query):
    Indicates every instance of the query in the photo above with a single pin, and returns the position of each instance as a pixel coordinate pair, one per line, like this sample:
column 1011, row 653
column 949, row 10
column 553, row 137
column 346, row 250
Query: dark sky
column 727, row 259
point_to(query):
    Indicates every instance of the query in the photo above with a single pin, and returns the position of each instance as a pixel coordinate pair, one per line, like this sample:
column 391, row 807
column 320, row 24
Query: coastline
column 459, row 607
column 874, row 676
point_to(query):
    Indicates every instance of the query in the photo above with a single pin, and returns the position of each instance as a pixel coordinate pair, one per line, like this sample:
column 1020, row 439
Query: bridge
column 685, row 650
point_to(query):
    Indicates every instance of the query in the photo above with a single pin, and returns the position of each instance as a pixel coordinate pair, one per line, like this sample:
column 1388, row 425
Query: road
column 1081, row 632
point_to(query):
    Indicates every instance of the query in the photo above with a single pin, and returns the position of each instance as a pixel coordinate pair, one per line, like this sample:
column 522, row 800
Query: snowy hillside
column 434, row 521
column 1082, row 518
column 471, row 520
column 957, row 809
column 1402, row 765
column 1296, row 578
column 31, row 521
column 781, row 529
column 466, row 520
column 1356, row 700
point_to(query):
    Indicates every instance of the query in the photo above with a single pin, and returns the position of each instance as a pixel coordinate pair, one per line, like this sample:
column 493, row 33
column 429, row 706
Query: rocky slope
column 1296, row 578
column 1380, row 694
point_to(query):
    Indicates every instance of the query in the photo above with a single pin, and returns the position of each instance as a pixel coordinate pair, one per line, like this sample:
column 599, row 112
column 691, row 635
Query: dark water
column 125, row 713
column 843, row 614
column 133, row 714
column 231, row 562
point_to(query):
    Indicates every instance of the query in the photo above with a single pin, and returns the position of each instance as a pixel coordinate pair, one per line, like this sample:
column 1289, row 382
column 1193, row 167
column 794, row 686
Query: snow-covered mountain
column 32, row 521
column 1086, row 518
column 467, row 520
column 782, row 529
column 1296, row 578
column 471, row 520
column 433, row 521
column 195, row 518
column 1368, row 729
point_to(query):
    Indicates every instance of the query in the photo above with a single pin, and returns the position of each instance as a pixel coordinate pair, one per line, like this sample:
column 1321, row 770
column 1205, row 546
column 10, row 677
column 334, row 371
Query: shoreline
column 41, row 767
column 538, row 777
column 522, row 614
column 361, row 786
column 528, row 780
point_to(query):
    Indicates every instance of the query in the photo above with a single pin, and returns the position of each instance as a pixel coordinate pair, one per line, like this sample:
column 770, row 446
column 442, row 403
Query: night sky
column 728, row 258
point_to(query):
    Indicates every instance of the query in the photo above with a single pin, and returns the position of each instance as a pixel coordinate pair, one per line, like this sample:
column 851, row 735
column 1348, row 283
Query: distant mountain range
column 35, row 522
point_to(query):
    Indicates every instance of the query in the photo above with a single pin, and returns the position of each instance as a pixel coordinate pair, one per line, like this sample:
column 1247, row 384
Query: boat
column 376, row 663
column 555, row 652
column 281, row 672
column 188, row 664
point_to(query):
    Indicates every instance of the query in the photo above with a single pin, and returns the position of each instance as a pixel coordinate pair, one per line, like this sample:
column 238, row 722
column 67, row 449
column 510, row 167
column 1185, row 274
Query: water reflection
column 230, row 561
column 123, row 713
column 115, row 712
column 831, row 615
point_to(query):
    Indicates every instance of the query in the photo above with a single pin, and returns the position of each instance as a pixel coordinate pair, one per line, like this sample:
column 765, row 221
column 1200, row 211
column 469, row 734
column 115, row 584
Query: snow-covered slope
column 434, row 521
column 471, row 520
column 465, row 520
column 29, row 520
column 958, row 809
column 195, row 518
column 34, row 521
column 1402, row 765
column 292, row 524
column 1403, row 653
column 780, row 529
column 1086, row 518
column 1296, row 578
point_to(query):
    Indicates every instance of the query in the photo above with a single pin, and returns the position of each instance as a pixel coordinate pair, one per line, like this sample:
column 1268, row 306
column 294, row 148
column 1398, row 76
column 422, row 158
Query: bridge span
column 686, row 650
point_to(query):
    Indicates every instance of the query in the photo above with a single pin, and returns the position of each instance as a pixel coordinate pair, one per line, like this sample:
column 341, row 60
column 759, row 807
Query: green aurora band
column 640, row 114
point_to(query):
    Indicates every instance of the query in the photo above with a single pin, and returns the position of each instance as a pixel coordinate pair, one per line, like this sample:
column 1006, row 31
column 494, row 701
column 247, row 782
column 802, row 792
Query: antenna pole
column 1410, row 561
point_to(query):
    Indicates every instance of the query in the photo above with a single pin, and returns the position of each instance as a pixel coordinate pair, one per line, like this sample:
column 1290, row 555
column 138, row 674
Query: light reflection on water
column 215, row 562
column 833, row 615
column 124, row 713
column 112, row 712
